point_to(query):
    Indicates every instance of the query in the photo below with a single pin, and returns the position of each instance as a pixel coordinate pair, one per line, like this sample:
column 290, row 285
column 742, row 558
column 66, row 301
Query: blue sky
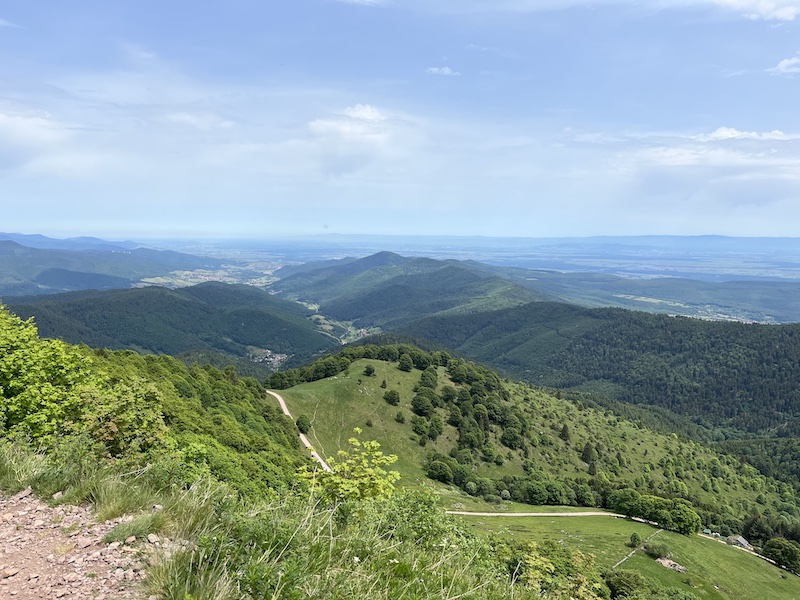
column 461, row 117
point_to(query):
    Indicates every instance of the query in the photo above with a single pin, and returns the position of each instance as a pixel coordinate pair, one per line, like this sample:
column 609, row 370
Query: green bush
column 303, row 424
column 654, row 550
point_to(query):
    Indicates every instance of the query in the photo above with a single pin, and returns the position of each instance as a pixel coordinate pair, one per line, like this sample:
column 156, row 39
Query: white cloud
column 446, row 71
column 771, row 10
column 786, row 66
column 30, row 130
column 4, row 23
column 366, row 112
column 730, row 133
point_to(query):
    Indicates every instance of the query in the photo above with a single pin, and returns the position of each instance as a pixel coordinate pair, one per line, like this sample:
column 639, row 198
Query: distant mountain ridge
column 43, row 242
column 29, row 270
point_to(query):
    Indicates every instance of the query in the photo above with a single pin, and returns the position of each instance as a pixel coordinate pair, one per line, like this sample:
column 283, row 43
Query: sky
column 252, row 118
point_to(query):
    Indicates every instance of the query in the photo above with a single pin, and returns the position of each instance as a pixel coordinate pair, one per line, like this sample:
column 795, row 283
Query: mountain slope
column 27, row 271
column 737, row 375
column 207, row 317
column 495, row 436
column 386, row 289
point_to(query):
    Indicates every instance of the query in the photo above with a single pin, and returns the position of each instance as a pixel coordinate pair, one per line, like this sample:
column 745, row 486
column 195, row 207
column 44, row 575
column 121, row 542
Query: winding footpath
column 303, row 437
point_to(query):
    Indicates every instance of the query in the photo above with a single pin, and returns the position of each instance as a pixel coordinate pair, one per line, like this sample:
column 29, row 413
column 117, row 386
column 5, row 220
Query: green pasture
column 715, row 570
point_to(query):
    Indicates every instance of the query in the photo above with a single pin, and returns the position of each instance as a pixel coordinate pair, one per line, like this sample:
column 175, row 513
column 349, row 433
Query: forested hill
column 386, row 289
column 26, row 270
column 235, row 319
column 729, row 374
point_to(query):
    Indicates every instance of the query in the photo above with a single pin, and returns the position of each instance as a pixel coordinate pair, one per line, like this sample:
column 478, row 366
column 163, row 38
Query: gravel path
column 57, row 552
column 303, row 438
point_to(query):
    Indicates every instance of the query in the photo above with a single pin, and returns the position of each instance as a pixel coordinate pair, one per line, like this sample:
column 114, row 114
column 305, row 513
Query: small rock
column 58, row 495
column 152, row 538
column 130, row 540
column 157, row 507
column 114, row 545
column 84, row 543
column 9, row 572
column 23, row 494
column 38, row 523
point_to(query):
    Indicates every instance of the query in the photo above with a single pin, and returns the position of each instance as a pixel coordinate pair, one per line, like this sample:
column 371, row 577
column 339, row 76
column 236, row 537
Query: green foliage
column 670, row 513
column 635, row 540
column 623, row 583
column 656, row 550
column 50, row 389
column 392, row 397
column 358, row 473
column 138, row 408
column 785, row 553
column 303, row 423
column 440, row 471
column 405, row 363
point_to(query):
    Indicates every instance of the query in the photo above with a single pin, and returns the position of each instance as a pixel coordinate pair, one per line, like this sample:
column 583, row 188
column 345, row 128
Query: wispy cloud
column 772, row 10
column 446, row 71
column 730, row 133
column 4, row 23
column 786, row 67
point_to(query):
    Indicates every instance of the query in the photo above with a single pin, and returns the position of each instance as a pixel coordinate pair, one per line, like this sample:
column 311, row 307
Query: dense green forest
column 387, row 290
column 724, row 374
column 205, row 320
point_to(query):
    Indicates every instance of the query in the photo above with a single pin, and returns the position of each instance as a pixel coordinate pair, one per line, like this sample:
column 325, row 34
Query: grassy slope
column 737, row 574
column 336, row 405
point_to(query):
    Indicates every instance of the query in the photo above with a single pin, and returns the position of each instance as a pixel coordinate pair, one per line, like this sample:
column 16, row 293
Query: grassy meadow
column 716, row 571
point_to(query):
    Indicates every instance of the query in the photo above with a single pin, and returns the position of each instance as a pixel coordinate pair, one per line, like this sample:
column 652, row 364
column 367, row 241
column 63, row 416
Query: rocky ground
column 49, row 552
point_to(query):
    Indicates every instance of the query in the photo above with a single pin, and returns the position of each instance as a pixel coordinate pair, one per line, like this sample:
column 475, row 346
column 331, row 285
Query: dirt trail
column 303, row 438
column 58, row 552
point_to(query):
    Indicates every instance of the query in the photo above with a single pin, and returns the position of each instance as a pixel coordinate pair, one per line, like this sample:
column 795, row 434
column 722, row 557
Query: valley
column 570, row 407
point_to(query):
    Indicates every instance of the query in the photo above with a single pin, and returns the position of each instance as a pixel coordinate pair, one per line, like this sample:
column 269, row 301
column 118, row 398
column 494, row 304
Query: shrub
column 440, row 471
column 303, row 424
column 392, row 397
column 656, row 550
